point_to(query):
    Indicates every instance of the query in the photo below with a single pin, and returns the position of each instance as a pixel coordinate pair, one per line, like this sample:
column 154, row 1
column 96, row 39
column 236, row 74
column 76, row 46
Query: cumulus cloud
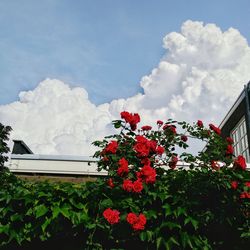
column 203, row 71
column 55, row 119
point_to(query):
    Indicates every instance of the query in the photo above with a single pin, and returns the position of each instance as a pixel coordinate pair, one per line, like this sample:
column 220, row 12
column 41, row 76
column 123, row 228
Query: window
column 239, row 135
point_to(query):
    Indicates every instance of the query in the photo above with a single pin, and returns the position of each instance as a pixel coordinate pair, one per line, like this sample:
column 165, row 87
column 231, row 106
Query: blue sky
column 103, row 46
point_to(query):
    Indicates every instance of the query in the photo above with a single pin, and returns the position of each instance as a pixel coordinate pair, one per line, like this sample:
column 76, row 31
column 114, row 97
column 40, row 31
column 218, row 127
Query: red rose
column 245, row 195
column 141, row 149
column 152, row 145
column 137, row 186
column 199, row 123
column 230, row 149
column 247, row 184
column 215, row 165
column 171, row 128
column 127, row 185
column 229, row 140
column 123, row 167
column 142, row 146
column 110, row 183
column 215, row 129
column 130, row 118
column 138, row 226
column 122, row 171
column 240, row 163
column 159, row 123
column 134, row 120
column 145, row 161
column 146, row 128
column 139, row 175
column 148, row 174
column 160, row 150
column 184, row 138
column 131, row 218
column 123, row 163
column 112, row 216
column 111, row 147
column 138, row 222
column 141, row 139
column 173, row 162
column 234, row 184
column 126, row 116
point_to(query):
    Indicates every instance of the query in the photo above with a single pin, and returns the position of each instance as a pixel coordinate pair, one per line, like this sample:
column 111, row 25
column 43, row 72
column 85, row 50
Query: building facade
column 236, row 124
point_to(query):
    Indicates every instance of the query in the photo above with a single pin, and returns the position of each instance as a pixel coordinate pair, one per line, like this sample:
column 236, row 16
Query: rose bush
column 147, row 201
column 169, row 209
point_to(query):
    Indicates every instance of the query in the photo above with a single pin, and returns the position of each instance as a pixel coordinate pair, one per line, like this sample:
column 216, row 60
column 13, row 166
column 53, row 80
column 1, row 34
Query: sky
column 67, row 68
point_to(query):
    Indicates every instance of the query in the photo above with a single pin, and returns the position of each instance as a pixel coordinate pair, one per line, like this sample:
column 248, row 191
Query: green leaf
column 159, row 242
column 40, row 211
column 192, row 221
column 143, row 236
column 55, row 211
column 46, row 223
column 65, row 212
column 170, row 225
column 151, row 214
column 167, row 209
column 106, row 203
column 173, row 240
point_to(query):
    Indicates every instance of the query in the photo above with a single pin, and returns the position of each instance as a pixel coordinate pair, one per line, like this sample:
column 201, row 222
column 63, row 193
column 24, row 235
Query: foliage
column 184, row 209
column 146, row 201
column 4, row 135
column 34, row 212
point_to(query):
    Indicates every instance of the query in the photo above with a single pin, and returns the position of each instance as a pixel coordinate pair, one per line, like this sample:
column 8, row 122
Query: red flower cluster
column 123, row 167
column 111, row 147
column 215, row 129
column 247, row 184
column 173, row 162
column 170, row 128
column 146, row 128
column 160, row 150
column 184, row 138
column 112, row 216
column 215, row 165
column 159, row 123
column 229, row 140
column 130, row 186
column 229, row 150
column 199, row 123
column 137, row 222
column 110, row 183
column 130, row 118
column 147, row 174
column 234, row 184
column 240, row 163
column 245, row 195
column 144, row 147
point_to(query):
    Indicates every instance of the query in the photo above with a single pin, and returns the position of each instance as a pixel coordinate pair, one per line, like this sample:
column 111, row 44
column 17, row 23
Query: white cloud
column 201, row 74
column 54, row 119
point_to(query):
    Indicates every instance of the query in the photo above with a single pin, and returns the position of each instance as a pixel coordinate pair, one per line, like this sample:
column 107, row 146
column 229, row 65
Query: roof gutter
column 246, row 90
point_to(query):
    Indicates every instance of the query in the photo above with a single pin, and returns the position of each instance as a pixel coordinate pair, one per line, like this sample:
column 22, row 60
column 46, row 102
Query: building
column 25, row 163
column 236, row 124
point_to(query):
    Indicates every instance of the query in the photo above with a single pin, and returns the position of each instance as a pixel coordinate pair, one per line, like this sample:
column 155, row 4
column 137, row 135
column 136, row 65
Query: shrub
column 4, row 149
column 146, row 202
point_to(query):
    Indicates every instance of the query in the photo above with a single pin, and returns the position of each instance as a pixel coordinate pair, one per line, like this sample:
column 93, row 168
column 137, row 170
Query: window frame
column 239, row 136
